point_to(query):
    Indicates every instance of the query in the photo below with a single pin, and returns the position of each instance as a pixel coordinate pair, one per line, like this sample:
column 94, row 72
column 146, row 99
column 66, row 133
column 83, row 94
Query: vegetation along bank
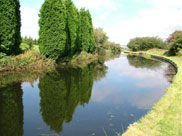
column 165, row 117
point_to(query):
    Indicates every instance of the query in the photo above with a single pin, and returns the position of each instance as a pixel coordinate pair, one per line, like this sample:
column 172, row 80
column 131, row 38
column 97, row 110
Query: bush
column 2, row 55
column 24, row 47
column 145, row 43
column 176, row 48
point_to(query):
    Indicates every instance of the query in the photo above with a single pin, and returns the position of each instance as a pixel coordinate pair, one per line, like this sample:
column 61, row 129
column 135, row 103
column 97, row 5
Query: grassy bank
column 165, row 118
column 30, row 60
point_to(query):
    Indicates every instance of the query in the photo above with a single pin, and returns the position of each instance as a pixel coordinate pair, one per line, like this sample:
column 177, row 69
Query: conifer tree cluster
column 10, row 26
column 64, row 30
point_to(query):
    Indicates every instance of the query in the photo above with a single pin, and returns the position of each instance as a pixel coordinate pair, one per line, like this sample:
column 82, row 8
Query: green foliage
column 91, row 31
column 83, row 59
column 29, row 60
column 174, row 36
column 61, row 92
column 29, row 41
column 11, row 110
column 102, row 43
column 145, row 43
column 72, row 27
column 10, row 38
column 64, row 31
column 52, row 33
column 86, row 34
column 2, row 55
column 176, row 48
column 24, row 47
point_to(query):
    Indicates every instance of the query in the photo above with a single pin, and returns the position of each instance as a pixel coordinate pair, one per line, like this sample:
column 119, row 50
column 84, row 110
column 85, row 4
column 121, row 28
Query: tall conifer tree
column 10, row 24
column 52, row 33
column 84, row 30
column 72, row 27
column 86, row 35
column 91, row 31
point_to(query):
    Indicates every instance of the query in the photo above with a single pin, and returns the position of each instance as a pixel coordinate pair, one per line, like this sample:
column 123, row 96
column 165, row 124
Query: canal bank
column 165, row 118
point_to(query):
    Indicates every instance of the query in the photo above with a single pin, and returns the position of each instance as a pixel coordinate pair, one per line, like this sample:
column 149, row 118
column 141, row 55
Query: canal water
column 99, row 100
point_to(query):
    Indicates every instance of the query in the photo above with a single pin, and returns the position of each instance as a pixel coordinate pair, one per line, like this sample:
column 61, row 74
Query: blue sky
column 121, row 19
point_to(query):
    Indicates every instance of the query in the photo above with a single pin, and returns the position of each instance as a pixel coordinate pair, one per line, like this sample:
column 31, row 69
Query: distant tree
column 174, row 36
column 100, row 37
column 10, row 38
column 145, row 43
column 52, row 33
column 72, row 27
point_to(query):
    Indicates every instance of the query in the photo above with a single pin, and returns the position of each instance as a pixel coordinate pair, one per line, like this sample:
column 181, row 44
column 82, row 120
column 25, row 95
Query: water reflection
column 11, row 110
column 68, row 101
column 141, row 62
column 61, row 92
column 100, row 71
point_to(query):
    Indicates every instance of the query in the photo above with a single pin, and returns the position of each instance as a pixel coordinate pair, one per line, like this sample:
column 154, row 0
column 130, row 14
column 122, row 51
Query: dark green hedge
column 145, row 43
column 10, row 38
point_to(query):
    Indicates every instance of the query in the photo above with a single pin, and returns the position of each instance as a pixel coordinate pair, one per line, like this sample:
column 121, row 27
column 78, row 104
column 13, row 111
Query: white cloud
column 29, row 21
column 168, row 4
column 161, row 20
column 95, row 4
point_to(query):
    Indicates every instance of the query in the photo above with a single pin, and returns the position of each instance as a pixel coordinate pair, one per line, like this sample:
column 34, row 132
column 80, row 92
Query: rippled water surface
column 100, row 100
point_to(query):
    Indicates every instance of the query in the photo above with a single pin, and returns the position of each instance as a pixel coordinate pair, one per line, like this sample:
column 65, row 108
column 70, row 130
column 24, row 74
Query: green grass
column 165, row 118
column 29, row 60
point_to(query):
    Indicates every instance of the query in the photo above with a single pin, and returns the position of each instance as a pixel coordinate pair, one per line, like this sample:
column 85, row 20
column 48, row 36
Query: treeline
column 64, row 30
column 145, row 43
column 173, row 43
column 29, row 40
column 10, row 38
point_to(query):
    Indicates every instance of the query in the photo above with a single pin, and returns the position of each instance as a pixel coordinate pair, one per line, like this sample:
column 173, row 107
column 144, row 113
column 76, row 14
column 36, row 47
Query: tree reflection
column 141, row 62
column 11, row 110
column 169, row 73
column 61, row 92
column 100, row 71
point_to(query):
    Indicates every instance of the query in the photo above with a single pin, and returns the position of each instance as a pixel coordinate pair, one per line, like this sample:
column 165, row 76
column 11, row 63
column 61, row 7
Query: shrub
column 2, row 55
column 24, row 47
column 145, row 43
column 176, row 48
